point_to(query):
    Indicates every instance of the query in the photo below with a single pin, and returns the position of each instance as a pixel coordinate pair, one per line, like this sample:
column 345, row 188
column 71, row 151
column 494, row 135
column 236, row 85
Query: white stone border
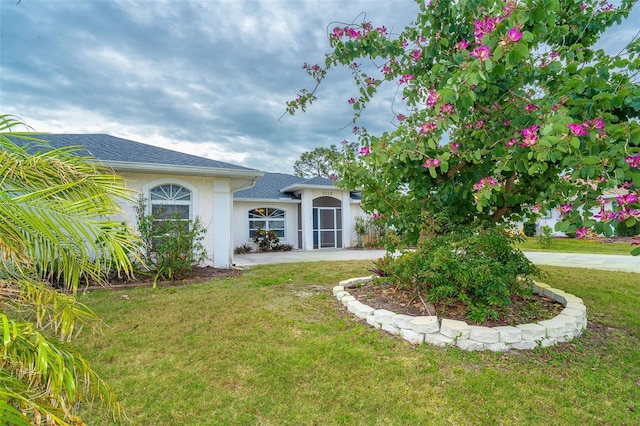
column 570, row 323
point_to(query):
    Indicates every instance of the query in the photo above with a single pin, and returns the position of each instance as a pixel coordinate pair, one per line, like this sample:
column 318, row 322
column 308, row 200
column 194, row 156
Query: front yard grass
column 574, row 245
column 274, row 347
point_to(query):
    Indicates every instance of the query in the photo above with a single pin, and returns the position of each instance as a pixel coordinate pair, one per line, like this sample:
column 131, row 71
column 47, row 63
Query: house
column 231, row 201
column 309, row 214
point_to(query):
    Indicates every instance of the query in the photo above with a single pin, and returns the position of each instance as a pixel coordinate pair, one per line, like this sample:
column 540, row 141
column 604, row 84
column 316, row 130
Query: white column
column 222, row 241
column 346, row 219
column 307, row 219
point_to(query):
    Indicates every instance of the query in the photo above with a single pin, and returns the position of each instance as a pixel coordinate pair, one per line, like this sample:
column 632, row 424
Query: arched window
column 268, row 219
column 170, row 202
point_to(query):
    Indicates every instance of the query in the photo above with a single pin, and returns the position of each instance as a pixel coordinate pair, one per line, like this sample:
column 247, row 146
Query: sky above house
column 208, row 77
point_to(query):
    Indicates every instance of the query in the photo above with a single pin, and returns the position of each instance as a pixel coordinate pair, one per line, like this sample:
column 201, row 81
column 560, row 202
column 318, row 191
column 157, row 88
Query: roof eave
column 127, row 166
column 300, row 187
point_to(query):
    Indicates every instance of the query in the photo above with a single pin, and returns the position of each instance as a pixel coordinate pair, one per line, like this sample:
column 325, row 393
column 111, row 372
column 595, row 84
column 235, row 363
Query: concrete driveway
column 572, row 260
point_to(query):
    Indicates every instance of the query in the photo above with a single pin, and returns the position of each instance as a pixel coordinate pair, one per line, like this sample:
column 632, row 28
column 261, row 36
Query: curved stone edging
column 570, row 323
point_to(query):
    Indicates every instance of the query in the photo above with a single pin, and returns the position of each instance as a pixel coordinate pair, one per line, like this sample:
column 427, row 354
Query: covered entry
column 327, row 223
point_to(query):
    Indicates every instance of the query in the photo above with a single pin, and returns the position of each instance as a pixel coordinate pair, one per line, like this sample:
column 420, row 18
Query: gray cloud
column 209, row 77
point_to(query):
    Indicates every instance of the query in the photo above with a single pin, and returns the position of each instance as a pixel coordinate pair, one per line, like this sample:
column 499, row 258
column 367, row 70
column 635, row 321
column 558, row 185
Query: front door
column 327, row 227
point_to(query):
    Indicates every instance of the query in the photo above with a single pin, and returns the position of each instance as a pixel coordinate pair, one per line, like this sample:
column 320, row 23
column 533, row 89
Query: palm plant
column 56, row 210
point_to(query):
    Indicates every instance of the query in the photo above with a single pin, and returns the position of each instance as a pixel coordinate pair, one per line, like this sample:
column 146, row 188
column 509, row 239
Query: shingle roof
column 271, row 185
column 108, row 149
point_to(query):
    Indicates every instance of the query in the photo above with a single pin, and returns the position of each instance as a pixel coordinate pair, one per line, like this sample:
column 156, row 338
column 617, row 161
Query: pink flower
column 635, row 241
column 630, row 198
column 401, row 117
column 365, row 150
column 462, row 44
column 605, row 215
column 351, row 101
column 376, row 216
column 581, row 232
column 485, row 26
column 446, row 109
column 356, row 129
column 428, row 127
column 565, row 208
column 529, row 136
column 553, row 55
column 583, row 6
column 387, row 69
column 596, row 123
column 512, row 142
column 432, row 99
column 577, row 130
column 454, row 146
column 417, row 54
column 337, row 32
column 536, row 208
column 531, row 107
column 513, row 35
column 406, row 78
column 382, row 30
column 485, row 182
column 633, row 161
column 483, row 53
column 431, row 162
column 371, row 81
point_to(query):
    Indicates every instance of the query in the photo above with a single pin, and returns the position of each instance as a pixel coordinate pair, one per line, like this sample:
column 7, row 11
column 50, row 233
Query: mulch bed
column 521, row 311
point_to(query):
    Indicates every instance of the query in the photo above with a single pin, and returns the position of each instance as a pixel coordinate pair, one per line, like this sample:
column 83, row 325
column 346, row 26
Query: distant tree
column 321, row 162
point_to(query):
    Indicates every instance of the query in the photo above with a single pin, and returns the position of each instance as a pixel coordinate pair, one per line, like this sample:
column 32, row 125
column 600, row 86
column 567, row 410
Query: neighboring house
column 306, row 213
column 554, row 216
column 231, row 201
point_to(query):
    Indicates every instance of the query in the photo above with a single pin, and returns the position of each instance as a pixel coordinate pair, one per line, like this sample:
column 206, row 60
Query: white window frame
column 176, row 195
column 267, row 218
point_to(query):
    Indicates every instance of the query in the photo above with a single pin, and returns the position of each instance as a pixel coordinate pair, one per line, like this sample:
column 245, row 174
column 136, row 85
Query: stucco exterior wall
column 211, row 207
column 241, row 221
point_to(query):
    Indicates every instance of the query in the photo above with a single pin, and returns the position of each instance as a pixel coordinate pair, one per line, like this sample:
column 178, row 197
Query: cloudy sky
column 206, row 77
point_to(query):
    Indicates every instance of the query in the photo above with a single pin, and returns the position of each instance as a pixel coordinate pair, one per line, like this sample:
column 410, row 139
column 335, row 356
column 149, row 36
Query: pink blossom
column 536, row 208
column 382, row 30
column 428, row 127
column 513, row 35
column 553, row 55
column 417, row 54
column 531, row 107
column 581, row 232
column 365, row 150
column 371, row 81
column 387, row 69
column 485, row 26
column 596, row 123
column 351, row 101
column 511, row 142
column 483, row 53
column 406, row 78
column 431, row 162
column 529, row 136
column 454, row 146
column 627, row 199
column 633, row 161
column 462, row 44
column 583, row 6
column 485, row 182
column 577, row 130
column 376, row 216
column 401, row 117
column 337, row 32
column 635, row 241
column 432, row 99
column 605, row 215
column 565, row 208
column 356, row 129
column 446, row 109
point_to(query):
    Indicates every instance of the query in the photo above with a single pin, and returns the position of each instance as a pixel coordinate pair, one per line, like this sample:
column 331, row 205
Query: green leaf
column 635, row 251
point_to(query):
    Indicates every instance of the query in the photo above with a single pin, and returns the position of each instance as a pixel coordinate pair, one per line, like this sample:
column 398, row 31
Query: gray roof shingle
column 271, row 185
column 108, row 149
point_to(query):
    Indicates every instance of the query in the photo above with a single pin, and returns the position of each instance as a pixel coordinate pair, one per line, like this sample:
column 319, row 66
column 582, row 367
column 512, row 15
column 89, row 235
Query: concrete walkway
column 571, row 260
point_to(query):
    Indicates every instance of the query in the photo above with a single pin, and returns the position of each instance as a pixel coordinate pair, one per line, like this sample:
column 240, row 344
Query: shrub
column 545, row 239
column 242, row 249
column 479, row 267
column 266, row 240
column 622, row 230
column 282, row 247
column 171, row 247
column 529, row 229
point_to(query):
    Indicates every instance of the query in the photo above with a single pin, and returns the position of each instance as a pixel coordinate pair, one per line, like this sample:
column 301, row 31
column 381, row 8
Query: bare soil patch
column 522, row 310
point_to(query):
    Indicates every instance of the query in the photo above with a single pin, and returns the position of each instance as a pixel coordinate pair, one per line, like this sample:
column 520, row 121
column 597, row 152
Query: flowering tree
column 501, row 108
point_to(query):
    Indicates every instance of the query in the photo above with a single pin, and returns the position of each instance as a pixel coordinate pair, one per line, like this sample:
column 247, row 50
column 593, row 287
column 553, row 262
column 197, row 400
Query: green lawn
column 573, row 245
column 273, row 347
